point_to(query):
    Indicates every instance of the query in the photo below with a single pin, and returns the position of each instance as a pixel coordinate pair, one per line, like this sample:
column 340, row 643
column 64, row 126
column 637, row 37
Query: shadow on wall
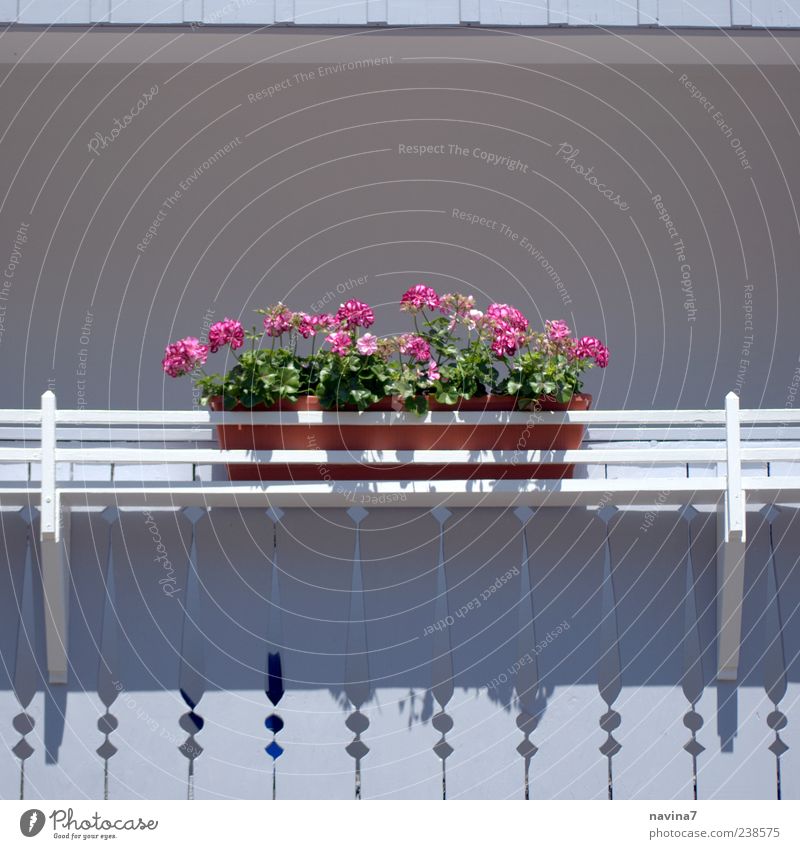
column 515, row 629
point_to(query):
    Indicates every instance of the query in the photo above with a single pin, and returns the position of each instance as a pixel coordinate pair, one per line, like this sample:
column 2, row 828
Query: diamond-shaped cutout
column 688, row 513
column 274, row 514
column 23, row 750
column 274, row 750
column 107, row 750
column 443, row 749
column 357, row 514
column 190, row 749
column 610, row 720
column 441, row 514
column 110, row 515
column 527, row 749
column 273, row 723
column 770, row 512
column 357, row 722
column 694, row 747
column 23, row 723
column 357, row 749
column 607, row 513
column 610, row 747
column 524, row 514
column 194, row 514
column 778, row 747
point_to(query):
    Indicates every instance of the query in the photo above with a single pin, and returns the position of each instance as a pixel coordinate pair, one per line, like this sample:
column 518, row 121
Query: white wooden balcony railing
column 727, row 460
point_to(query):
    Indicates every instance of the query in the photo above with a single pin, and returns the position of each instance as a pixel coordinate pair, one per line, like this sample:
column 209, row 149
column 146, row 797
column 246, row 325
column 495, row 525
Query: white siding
column 669, row 13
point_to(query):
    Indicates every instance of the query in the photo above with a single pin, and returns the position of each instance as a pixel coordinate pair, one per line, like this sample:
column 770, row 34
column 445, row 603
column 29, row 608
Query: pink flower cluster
column 590, row 348
column 226, row 332
column 418, row 298
column 278, row 320
column 355, row 313
column 367, row 344
column 184, row 356
column 557, row 330
column 415, row 347
column 341, row 342
column 503, row 327
column 508, row 328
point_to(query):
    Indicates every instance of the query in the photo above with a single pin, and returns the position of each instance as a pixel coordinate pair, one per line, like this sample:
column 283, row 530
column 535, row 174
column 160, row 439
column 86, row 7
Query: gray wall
column 316, row 194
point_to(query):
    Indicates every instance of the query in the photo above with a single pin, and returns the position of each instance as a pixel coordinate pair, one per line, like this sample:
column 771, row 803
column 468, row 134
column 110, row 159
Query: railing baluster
column 442, row 663
column 25, row 665
column 609, row 665
column 108, row 685
column 274, row 681
column 775, row 678
column 191, row 677
column 527, row 678
column 693, row 681
column 357, row 686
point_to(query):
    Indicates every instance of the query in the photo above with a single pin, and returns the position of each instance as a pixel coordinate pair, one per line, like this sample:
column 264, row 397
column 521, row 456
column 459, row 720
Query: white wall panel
column 193, row 10
column 610, row 13
column 470, row 11
column 352, row 12
column 684, row 13
column 648, row 12
column 377, row 11
column 100, row 11
column 238, row 11
column 775, row 13
column 670, row 13
column 52, row 11
column 414, row 13
column 741, row 13
column 558, row 11
column 8, row 10
column 510, row 14
column 146, row 11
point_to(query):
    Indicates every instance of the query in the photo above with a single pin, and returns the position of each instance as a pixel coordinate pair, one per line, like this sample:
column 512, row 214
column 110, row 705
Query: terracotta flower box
column 514, row 438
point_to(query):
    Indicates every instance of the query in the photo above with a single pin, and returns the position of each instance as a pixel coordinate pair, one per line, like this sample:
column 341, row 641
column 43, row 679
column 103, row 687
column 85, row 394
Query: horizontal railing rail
column 711, row 458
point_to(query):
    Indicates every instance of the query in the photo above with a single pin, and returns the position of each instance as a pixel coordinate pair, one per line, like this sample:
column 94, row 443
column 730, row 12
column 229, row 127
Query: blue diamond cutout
column 274, row 750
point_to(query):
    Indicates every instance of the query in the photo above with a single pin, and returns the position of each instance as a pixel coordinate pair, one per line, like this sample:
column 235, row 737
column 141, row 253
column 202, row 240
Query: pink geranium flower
column 305, row 326
column 418, row 298
column 322, row 321
column 278, row 320
column 367, row 344
column 508, row 314
column 184, row 356
column 588, row 347
column 506, row 339
column 415, row 347
column 433, row 370
column 340, row 342
column 226, row 332
column 355, row 313
column 557, row 330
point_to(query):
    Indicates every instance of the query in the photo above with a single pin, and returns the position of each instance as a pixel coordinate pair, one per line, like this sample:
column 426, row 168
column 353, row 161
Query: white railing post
column 49, row 513
column 734, row 493
column 54, row 546
column 731, row 549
